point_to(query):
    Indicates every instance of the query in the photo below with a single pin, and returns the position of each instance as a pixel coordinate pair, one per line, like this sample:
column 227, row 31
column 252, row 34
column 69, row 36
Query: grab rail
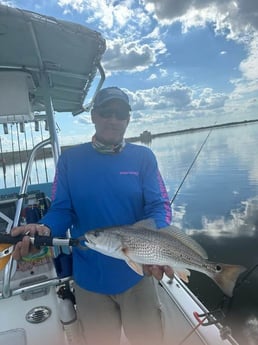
column 47, row 283
column 21, row 196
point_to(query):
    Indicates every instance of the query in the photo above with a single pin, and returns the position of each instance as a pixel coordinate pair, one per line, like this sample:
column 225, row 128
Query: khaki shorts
column 138, row 311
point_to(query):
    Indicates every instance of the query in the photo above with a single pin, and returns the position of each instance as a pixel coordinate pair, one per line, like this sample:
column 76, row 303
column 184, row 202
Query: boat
column 46, row 66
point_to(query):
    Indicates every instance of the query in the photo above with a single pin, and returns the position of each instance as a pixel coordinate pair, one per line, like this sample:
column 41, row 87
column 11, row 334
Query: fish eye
column 218, row 268
column 96, row 233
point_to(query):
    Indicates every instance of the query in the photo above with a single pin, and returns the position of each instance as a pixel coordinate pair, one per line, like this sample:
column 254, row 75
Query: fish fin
column 183, row 275
column 185, row 239
column 135, row 266
column 132, row 264
column 146, row 223
column 226, row 277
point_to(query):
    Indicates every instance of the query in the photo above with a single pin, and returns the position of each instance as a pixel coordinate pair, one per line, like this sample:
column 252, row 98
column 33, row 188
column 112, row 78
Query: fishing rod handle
column 38, row 240
column 8, row 239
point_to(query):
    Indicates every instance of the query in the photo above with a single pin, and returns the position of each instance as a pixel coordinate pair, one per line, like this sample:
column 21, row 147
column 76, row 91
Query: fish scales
column 158, row 248
column 140, row 244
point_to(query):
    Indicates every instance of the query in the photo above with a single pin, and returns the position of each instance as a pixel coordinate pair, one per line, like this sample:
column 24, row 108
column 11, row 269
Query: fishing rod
column 42, row 241
column 191, row 165
column 8, row 242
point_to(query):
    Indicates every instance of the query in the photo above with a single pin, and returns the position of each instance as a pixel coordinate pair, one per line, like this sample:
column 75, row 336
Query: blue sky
column 183, row 63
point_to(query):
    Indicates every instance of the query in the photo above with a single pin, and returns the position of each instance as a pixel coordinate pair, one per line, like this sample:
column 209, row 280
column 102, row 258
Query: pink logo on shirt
column 136, row 173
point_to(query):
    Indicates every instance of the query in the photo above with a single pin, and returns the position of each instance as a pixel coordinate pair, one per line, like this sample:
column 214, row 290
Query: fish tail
column 226, row 277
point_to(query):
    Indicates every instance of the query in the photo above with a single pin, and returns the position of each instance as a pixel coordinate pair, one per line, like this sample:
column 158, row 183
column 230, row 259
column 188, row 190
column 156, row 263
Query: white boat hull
column 184, row 328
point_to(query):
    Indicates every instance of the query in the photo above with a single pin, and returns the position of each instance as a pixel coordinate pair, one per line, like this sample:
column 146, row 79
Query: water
column 218, row 205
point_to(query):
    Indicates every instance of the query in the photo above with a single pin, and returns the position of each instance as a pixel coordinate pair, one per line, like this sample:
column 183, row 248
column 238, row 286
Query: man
column 104, row 183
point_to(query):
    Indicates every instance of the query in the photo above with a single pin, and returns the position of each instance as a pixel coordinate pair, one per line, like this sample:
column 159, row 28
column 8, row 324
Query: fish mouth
column 87, row 239
column 84, row 242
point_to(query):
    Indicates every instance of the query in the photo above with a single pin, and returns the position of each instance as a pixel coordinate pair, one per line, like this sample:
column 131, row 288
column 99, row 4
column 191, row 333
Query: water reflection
column 218, row 206
column 240, row 222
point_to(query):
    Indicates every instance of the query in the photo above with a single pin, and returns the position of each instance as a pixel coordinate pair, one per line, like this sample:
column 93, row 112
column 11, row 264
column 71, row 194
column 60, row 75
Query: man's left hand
column 158, row 271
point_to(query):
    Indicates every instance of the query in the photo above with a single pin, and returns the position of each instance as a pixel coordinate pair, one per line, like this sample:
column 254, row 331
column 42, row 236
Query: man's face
column 111, row 121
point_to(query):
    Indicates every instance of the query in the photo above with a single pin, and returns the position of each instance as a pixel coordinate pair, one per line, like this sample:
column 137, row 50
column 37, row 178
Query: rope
column 200, row 322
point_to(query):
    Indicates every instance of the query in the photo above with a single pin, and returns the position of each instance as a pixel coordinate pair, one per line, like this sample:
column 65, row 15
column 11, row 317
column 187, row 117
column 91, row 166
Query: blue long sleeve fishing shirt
column 94, row 190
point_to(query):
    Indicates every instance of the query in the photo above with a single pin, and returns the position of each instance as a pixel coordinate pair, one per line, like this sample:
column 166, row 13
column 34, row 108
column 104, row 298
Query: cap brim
column 107, row 99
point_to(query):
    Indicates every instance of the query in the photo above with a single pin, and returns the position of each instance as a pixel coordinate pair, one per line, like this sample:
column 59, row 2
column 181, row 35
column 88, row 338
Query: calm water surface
column 218, row 205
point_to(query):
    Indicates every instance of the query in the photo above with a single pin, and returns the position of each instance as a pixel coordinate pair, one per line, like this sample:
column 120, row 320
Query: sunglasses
column 107, row 113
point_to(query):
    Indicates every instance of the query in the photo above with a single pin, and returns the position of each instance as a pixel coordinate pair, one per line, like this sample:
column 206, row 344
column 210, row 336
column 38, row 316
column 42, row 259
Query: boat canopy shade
column 67, row 53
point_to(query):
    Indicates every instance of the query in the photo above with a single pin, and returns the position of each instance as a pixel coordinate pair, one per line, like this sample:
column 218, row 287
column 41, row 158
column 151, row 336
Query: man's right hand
column 24, row 247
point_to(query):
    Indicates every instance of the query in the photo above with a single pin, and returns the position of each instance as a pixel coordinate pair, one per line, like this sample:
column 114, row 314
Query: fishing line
column 191, row 165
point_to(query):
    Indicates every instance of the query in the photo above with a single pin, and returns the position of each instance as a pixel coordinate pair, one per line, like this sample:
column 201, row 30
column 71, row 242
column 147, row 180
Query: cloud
column 139, row 39
column 210, row 100
column 134, row 34
column 7, row 3
column 246, row 88
column 110, row 16
column 163, row 72
column 77, row 5
column 171, row 97
column 234, row 20
column 233, row 16
column 248, row 11
column 249, row 66
column 133, row 43
column 128, row 56
column 175, row 100
column 153, row 76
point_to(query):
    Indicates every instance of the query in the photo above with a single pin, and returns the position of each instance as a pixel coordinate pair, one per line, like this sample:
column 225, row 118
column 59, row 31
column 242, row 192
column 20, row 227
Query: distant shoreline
column 18, row 157
column 190, row 130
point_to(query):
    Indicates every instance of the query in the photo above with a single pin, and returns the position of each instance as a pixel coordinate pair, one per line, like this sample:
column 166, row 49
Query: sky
column 183, row 63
